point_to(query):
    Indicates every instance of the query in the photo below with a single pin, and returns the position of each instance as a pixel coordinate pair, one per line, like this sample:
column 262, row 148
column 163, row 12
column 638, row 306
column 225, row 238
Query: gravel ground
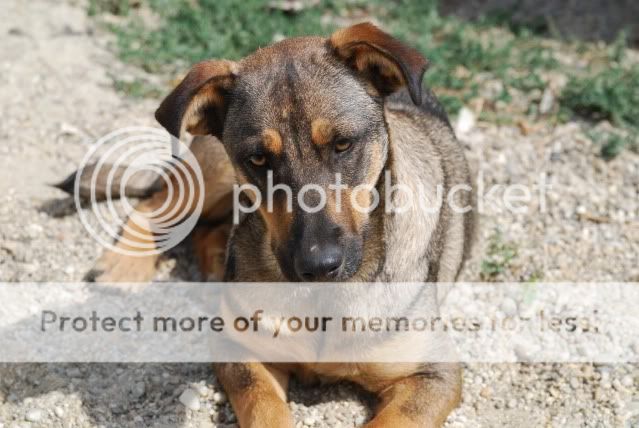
column 58, row 97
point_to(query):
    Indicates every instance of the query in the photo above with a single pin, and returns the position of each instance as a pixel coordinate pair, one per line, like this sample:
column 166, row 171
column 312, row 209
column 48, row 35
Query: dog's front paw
column 115, row 267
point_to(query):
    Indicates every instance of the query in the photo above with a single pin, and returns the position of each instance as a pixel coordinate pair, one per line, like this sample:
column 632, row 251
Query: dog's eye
column 342, row 145
column 258, row 160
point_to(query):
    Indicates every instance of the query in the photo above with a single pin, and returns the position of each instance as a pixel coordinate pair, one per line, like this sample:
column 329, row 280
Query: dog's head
column 301, row 113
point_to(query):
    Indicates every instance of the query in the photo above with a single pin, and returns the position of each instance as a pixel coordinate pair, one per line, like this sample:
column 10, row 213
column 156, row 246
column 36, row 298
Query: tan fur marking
column 272, row 141
column 350, row 217
column 278, row 221
column 210, row 250
column 322, row 132
column 184, row 108
column 369, row 50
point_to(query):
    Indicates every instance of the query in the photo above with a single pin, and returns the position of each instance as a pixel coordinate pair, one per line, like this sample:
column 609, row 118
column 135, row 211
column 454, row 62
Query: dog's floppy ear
column 198, row 104
column 384, row 61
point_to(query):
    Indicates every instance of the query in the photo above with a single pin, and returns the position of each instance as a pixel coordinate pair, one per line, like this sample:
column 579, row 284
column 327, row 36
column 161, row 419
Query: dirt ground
column 57, row 97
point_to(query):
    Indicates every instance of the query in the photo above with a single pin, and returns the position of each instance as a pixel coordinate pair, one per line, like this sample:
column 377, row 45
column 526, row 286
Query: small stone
column 201, row 389
column 309, row 421
column 574, row 383
column 547, row 101
column 512, row 403
column 15, row 31
column 34, row 415
column 138, row 390
column 74, row 372
column 190, row 399
column 509, row 307
column 486, row 392
column 59, row 411
column 627, row 381
column 465, row 121
column 219, row 398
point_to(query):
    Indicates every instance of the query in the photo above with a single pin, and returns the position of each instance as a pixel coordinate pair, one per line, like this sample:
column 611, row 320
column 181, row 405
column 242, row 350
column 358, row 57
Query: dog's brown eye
column 258, row 160
column 342, row 146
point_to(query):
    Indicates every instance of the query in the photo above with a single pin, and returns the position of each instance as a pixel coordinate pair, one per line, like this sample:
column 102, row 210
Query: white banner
column 334, row 322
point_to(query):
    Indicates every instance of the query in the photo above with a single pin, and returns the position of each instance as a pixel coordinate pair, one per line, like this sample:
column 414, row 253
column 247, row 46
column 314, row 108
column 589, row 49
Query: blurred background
column 502, row 58
column 536, row 90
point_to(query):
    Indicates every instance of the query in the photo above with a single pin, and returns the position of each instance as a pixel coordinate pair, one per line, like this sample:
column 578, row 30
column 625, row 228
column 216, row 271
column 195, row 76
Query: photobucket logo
column 117, row 161
column 397, row 198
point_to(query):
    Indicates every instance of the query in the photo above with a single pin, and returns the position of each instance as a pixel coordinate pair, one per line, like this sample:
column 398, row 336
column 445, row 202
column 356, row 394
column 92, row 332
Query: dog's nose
column 319, row 262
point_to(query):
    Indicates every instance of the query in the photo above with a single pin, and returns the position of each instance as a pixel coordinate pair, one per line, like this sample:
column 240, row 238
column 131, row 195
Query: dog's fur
column 291, row 103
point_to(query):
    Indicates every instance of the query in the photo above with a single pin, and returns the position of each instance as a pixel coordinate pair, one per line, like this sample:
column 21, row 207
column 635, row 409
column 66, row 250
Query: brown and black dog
column 306, row 109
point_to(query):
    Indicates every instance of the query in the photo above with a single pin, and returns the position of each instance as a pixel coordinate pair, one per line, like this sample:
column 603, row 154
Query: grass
column 137, row 88
column 611, row 94
column 115, row 7
column 192, row 31
column 499, row 257
column 464, row 56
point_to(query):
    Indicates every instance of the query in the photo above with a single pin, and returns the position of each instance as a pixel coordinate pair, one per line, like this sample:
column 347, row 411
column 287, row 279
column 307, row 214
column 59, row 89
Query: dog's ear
column 199, row 103
column 384, row 61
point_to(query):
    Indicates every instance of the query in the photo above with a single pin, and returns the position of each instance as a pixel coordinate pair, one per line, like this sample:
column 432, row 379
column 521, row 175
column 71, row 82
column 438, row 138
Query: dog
column 307, row 108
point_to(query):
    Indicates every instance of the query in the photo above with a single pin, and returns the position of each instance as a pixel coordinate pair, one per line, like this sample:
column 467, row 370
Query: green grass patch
column 611, row 94
column 191, row 31
column 137, row 88
column 499, row 257
column 613, row 142
column 115, row 7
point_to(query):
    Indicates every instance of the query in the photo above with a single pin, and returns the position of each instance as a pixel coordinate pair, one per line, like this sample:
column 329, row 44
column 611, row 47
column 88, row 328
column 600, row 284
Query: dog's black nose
column 319, row 262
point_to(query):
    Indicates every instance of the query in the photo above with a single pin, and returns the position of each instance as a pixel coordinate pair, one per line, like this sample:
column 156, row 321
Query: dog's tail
column 105, row 183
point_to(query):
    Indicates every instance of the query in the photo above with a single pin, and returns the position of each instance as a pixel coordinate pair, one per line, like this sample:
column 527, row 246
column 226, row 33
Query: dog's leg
column 127, row 262
column 422, row 400
column 257, row 393
column 210, row 250
column 132, row 264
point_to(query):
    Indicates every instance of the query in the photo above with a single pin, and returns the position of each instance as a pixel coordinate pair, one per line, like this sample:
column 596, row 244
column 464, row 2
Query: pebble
column 627, row 381
column 59, row 412
column 190, row 399
column 74, row 372
column 34, row 415
column 547, row 101
column 486, row 392
column 574, row 383
column 309, row 421
column 201, row 389
column 219, row 398
column 512, row 403
column 509, row 307
column 465, row 121
column 138, row 390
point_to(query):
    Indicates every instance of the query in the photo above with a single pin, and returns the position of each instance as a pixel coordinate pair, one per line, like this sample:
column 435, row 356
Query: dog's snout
column 319, row 262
